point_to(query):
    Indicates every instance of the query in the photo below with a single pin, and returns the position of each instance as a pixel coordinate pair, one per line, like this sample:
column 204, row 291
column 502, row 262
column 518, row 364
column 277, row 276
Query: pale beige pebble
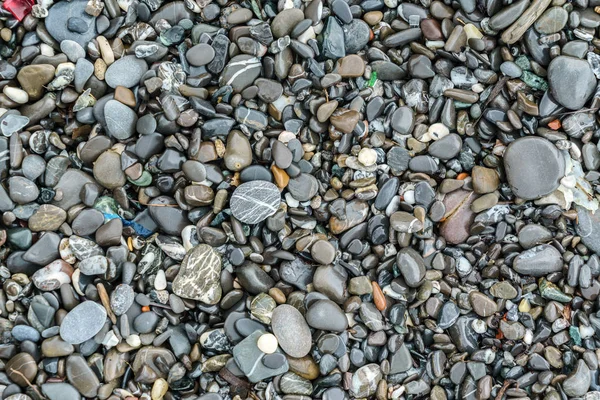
column 472, row 32
column 46, row 50
column 134, row 341
column 267, row 343
column 15, row 94
column 367, row 156
column 286, row 136
column 160, row 282
column 100, row 69
column 5, row 34
column 124, row 4
column 436, row 131
column 159, row 389
column 105, row 50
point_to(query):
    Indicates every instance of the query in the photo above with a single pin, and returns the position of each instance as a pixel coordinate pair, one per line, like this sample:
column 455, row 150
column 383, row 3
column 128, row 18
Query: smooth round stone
column 121, row 299
column 534, row 167
column 511, row 69
column 447, row 147
column 482, row 305
column 107, row 170
column 552, row 20
column 327, row 316
column 253, row 202
column 268, row 90
column 83, row 322
column 201, row 54
column 285, row 21
column 538, row 261
column 238, row 153
column 572, row 81
column 126, row 71
column 267, row 343
column 145, row 322
column 411, row 266
column 291, row 331
column 532, row 234
column 146, row 125
column 22, row 190
column 323, row 252
column 303, row 187
column 120, row 120
column 25, row 332
column 21, row 369
column 281, row 154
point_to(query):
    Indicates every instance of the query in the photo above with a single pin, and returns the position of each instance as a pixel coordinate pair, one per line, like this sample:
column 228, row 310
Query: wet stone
column 253, row 202
column 534, row 167
column 82, row 322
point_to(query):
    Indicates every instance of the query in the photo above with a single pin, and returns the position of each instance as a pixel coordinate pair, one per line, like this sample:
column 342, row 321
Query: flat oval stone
column 126, row 71
column 200, row 54
column 552, row 20
column 21, row 369
column 82, row 322
column 538, row 261
column 253, row 202
column 326, row 315
column 534, row 167
column 291, row 331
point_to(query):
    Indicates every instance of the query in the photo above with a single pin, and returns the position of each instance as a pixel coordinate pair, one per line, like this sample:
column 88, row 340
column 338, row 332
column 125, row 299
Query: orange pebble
column 554, row 125
column 378, row 296
column 462, row 176
column 145, row 308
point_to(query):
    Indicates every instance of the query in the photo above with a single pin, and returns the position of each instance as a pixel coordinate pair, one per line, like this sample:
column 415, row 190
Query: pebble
column 534, row 167
column 83, row 322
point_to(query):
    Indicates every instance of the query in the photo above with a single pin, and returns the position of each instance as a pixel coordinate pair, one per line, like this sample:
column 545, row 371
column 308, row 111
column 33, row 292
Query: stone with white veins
column 255, row 201
column 199, row 275
column 83, row 322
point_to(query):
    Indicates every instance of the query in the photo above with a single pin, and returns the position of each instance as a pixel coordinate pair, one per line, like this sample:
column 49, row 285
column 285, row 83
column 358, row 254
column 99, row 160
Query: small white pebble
column 46, row 50
column 267, row 343
column 479, row 326
column 437, row 131
column 160, row 282
column 15, row 94
column 134, row 341
column 528, row 338
column 110, row 340
column 367, row 157
column 409, row 197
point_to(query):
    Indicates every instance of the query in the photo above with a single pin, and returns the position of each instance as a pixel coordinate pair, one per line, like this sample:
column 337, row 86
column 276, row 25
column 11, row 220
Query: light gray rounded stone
column 83, row 322
column 255, row 201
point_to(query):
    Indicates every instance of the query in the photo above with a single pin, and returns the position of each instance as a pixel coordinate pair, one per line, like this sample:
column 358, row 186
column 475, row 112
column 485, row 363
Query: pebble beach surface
column 299, row 199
